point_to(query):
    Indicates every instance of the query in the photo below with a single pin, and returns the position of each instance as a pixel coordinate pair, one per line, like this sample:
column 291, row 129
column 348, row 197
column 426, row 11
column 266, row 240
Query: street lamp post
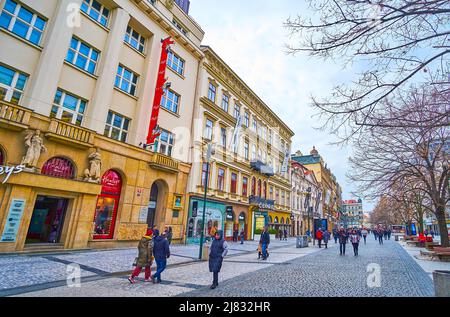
column 209, row 154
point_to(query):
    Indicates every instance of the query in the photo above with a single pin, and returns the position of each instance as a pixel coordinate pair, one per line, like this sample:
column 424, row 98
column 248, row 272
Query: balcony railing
column 13, row 116
column 262, row 168
column 63, row 132
column 163, row 162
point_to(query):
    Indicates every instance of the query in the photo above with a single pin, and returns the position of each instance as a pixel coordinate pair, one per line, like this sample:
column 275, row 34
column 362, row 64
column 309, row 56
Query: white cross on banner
column 237, row 131
column 284, row 168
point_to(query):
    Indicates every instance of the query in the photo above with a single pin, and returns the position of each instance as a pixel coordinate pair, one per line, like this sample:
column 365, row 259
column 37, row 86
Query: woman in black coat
column 217, row 251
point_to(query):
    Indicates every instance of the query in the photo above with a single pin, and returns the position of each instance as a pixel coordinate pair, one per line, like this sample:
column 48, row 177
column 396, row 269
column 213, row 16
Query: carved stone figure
column 93, row 173
column 35, row 147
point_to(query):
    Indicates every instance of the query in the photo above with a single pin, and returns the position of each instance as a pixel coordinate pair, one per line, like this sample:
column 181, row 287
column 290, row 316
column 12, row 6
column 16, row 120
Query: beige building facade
column 76, row 96
column 246, row 189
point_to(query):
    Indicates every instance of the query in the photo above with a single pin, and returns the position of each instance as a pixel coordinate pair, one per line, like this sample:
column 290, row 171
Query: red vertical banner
column 159, row 92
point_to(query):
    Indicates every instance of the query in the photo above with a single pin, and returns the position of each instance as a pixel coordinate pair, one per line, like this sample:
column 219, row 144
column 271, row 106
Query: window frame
column 210, row 92
column 122, row 79
column 165, row 100
column 100, row 14
column 223, row 137
column 208, row 131
column 121, row 129
column 236, row 111
column 221, row 179
column 169, row 146
column 12, row 89
column 129, row 34
column 233, row 183
column 245, row 186
column 31, row 26
column 176, row 63
column 76, row 53
column 227, row 102
column 61, row 108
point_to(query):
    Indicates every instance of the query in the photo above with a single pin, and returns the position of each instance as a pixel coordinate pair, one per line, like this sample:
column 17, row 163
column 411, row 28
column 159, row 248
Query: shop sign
column 229, row 213
column 13, row 220
column 9, row 170
column 262, row 203
column 152, row 205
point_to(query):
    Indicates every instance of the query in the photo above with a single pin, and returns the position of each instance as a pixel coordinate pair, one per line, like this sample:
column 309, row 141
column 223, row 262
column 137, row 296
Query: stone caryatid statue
column 35, row 147
column 93, row 173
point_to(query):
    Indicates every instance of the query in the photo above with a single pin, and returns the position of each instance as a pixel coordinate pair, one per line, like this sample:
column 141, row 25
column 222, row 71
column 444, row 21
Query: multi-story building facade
column 352, row 213
column 330, row 189
column 76, row 96
column 306, row 202
column 246, row 188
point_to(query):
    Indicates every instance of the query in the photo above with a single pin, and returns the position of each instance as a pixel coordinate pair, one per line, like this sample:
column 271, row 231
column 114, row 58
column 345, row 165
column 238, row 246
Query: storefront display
column 214, row 219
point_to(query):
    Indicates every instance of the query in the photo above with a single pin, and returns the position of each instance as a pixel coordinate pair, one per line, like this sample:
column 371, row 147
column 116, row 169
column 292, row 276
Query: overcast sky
column 250, row 37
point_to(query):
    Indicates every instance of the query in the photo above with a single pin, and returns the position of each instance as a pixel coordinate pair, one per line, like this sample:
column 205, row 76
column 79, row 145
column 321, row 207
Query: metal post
column 200, row 254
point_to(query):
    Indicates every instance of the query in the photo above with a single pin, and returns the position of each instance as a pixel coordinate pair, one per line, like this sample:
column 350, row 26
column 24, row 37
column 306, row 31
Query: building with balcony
column 330, row 192
column 246, row 188
column 76, row 96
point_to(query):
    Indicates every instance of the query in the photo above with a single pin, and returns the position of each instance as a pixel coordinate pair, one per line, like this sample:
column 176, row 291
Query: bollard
column 441, row 283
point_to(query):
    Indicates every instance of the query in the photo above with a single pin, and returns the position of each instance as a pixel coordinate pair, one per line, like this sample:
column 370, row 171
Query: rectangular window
column 208, row 129
column 170, row 101
column 12, row 84
column 277, row 196
column 225, row 102
column 237, row 111
column 271, row 193
column 180, row 27
column 246, row 120
column 255, row 125
column 82, row 55
column 96, row 11
column 117, row 127
column 68, row 108
column 221, row 179
column 135, row 39
column 254, row 152
column 204, row 171
column 233, row 188
column 175, row 62
column 212, row 92
column 126, row 80
column 223, row 134
column 22, row 22
column 245, row 186
column 246, row 150
column 165, row 142
column 270, row 137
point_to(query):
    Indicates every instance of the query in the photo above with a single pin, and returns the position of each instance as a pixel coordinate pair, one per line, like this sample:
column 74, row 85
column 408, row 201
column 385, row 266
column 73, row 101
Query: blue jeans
column 160, row 267
column 264, row 250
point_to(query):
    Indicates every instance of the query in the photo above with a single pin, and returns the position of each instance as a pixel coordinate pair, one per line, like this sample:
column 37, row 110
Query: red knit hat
column 149, row 232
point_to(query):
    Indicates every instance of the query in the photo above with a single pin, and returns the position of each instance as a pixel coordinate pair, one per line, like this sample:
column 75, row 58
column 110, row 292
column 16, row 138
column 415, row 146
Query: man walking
column 161, row 252
column 242, row 235
column 342, row 241
column 265, row 241
column 380, row 235
column 326, row 238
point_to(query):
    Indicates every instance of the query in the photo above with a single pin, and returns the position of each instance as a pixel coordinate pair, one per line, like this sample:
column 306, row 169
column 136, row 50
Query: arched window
column 270, row 219
column 287, row 221
column 259, row 188
column 253, row 186
column 276, row 220
column 2, row 157
column 107, row 205
column 59, row 167
column 282, row 221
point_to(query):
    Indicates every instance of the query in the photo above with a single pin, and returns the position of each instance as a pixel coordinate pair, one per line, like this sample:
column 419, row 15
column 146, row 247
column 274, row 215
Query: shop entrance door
column 152, row 205
column 47, row 220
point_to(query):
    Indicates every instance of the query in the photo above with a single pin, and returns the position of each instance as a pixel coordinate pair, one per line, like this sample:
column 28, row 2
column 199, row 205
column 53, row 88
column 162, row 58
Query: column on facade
column 101, row 100
column 44, row 81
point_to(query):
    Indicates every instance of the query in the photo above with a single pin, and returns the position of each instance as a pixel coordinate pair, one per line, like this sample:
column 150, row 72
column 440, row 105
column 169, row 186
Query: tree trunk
column 440, row 215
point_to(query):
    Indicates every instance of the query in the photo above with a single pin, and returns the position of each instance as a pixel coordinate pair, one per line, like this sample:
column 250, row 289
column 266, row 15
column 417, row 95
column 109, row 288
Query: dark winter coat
column 161, row 249
column 343, row 237
column 326, row 237
column 145, row 249
column 265, row 238
column 217, row 251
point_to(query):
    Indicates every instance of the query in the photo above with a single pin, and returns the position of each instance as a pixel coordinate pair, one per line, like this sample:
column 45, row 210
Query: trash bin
column 205, row 252
column 441, row 283
column 302, row 242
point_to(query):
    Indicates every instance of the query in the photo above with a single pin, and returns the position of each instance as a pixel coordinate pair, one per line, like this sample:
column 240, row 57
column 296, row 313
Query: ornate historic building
column 247, row 188
column 76, row 96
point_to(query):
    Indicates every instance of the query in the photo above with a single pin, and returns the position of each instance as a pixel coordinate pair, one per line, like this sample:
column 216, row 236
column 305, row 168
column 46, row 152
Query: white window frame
column 178, row 66
column 138, row 40
column 121, row 79
column 223, row 137
column 225, row 101
column 246, row 150
column 75, row 113
column 100, row 14
column 166, row 99
column 246, row 119
column 237, row 111
column 89, row 57
column 168, row 144
column 11, row 89
column 31, row 27
column 111, row 126
column 208, row 132
column 210, row 92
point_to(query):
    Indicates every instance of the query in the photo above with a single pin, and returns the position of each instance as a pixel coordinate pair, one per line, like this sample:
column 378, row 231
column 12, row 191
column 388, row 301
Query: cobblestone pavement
column 288, row 272
column 24, row 273
column 327, row 274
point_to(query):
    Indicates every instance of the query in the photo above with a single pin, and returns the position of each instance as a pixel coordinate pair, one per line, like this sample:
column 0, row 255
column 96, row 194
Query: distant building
column 352, row 213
